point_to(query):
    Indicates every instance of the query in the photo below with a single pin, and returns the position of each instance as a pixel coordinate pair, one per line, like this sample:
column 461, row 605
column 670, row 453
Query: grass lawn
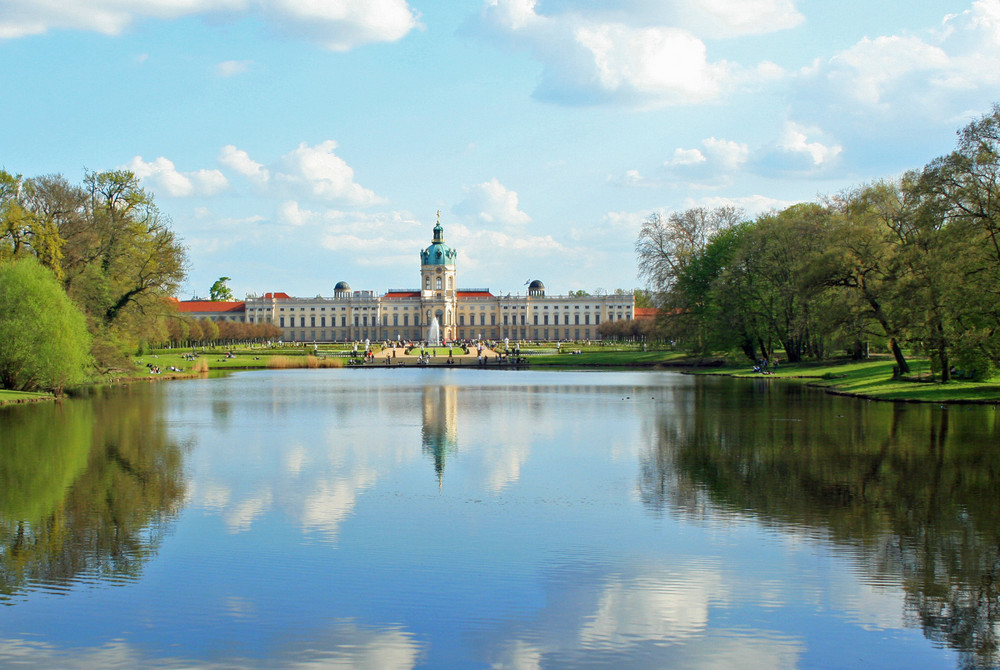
column 597, row 357
column 873, row 379
column 17, row 396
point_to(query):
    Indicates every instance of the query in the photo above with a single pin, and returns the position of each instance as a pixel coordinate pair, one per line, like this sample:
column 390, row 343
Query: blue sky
column 297, row 143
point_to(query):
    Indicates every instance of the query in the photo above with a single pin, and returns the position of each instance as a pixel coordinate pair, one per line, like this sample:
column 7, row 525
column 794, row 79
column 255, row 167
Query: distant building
column 407, row 314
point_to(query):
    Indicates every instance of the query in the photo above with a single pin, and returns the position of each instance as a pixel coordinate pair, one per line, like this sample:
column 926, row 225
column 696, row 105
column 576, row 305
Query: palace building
column 407, row 314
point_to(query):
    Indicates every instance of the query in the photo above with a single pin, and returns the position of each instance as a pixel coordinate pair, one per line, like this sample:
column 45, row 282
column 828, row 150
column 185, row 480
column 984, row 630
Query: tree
column 666, row 245
column 642, row 298
column 219, row 290
column 138, row 257
column 24, row 231
column 44, row 343
column 865, row 257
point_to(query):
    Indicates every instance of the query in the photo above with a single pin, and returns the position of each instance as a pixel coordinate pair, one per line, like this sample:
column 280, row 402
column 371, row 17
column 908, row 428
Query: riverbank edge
column 818, row 381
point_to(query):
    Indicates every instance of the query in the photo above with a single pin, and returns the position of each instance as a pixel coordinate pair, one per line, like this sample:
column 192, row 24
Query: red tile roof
column 646, row 312
column 192, row 306
column 475, row 294
column 402, row 294
column 277, row 296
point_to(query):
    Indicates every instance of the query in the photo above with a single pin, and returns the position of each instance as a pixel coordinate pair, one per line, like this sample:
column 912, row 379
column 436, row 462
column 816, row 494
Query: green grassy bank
column 13, row 397
column 868, row 379
column 873, row 379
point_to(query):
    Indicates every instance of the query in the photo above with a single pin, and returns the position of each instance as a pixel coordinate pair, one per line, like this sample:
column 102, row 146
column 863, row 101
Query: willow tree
column 44, row 343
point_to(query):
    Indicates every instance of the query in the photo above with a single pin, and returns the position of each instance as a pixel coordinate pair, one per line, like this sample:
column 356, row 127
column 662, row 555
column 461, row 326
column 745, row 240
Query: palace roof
column 201, row 306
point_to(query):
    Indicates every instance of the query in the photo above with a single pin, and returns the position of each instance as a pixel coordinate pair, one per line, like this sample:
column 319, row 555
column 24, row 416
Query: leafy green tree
column 23, row 231
column 220, row 291
column 44, row 341
column 864, row 259
column 643, row 299
column 138, row 258
column 962, row 191
column 666, row 244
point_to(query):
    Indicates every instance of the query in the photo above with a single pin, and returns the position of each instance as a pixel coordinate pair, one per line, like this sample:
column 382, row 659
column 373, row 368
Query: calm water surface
column 462, row 518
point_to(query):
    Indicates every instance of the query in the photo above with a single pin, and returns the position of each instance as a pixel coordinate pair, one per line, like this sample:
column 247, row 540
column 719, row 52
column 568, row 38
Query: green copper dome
column 438, row 253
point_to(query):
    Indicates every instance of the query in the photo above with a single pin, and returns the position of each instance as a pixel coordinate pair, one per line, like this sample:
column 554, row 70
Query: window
column 461, row 319
column 576, row 322
column 437, row 283
column 546, row 323
column 427, row 283
column 282, row 322
column 312, row 323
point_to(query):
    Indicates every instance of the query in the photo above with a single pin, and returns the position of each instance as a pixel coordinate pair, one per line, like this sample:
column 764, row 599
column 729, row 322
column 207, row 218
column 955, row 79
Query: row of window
column 416, row 334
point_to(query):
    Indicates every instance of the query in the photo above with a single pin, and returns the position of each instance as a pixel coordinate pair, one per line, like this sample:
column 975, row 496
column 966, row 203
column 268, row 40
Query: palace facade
column 407, row 314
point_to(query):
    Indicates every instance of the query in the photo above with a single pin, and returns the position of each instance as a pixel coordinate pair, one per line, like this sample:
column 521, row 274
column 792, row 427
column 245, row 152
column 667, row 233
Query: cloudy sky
column 296, row 143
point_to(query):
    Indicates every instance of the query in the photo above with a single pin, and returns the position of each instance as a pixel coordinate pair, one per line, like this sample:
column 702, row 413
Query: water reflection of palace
column 439, row 434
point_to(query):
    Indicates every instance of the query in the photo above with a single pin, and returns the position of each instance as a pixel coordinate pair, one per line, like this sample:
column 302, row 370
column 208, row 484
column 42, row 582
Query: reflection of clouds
column 662, row 607
column 332, row 501
column 504, row 463
column 653, row 616
column 520, row 655
column 345, row 645
column 295, row 459
column 873, row 606
column 213, row 496
column 239, row 608
column 240, row 517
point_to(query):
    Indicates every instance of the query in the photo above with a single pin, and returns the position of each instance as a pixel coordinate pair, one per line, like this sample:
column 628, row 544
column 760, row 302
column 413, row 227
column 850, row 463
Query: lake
column 436, row 518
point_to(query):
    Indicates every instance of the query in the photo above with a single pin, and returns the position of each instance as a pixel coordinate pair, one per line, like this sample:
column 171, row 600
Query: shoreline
column 866, row 380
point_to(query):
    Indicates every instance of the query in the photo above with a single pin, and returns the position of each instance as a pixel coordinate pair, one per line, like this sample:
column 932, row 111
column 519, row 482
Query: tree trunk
column 897, row 353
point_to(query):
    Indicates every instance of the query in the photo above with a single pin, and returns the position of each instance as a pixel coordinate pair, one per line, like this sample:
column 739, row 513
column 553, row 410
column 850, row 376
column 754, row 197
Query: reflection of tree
column 439, row 434
column 111, row 480
column 913, row 491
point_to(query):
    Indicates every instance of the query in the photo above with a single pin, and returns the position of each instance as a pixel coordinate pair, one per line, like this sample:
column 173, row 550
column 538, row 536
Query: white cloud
column 867, row 70
column 491, row 202
column 110, row 17
column 240, row 161
column 731, row 18
column 633, row 179
column 588, row 58
column 323, row 174
column 801, row 150
column 895, row 84
column 727, row 154
column 290, row 213
column 796, row 140
column 231, row 68
column 687, row 157
column 636, row 53
column 712, row 166
column 162, row 175
column 338, row 25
